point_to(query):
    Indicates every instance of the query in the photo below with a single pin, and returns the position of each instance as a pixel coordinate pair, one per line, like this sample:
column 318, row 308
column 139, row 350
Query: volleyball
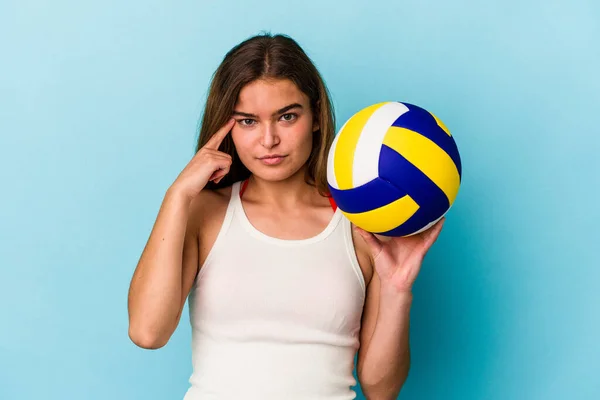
column 394, row 169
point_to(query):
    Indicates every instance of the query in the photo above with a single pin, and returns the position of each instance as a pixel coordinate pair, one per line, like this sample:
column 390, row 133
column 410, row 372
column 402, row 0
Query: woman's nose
column 269, row 137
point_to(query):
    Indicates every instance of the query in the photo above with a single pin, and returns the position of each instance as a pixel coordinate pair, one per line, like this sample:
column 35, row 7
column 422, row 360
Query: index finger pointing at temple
column 215, row 140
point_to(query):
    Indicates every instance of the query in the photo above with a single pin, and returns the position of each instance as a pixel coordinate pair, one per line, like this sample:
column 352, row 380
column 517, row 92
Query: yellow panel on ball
column 385, row 218
column 427, row 157
column 441, row 124
column 346, row 145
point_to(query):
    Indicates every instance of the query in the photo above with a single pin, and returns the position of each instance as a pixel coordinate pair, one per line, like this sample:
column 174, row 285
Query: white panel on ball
column 366, row 155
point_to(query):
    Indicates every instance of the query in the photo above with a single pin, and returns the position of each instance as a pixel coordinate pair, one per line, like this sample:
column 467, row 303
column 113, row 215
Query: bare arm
column 384, row 362
column 164, row 274
column 384, row 356
column 169, row 262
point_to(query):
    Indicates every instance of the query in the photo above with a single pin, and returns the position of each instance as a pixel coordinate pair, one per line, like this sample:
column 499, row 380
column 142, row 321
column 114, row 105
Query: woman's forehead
column 265, row 97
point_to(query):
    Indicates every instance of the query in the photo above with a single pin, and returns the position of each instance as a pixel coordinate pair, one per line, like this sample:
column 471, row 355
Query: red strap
column 333, row 205
column 245, row 184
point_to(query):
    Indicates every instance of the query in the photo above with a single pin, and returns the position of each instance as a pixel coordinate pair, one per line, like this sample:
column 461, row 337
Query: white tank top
column 274, row 318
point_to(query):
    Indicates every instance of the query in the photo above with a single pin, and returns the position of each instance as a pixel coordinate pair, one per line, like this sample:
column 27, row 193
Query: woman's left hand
column 398, row 260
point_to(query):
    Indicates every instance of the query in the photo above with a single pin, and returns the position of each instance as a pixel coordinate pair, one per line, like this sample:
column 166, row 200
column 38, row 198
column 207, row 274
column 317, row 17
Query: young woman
column 283, row 291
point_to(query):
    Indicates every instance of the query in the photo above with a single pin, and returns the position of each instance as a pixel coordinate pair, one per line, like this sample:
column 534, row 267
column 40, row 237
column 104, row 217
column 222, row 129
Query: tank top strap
column 225, row 226
column 347, row 237
column 234, row 197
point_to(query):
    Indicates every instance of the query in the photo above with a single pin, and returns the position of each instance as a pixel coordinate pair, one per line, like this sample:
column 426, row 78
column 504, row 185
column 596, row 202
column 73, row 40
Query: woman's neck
column 281, row 194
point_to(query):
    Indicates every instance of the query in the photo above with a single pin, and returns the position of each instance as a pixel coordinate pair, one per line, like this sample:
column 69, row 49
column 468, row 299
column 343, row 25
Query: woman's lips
column 272, row 160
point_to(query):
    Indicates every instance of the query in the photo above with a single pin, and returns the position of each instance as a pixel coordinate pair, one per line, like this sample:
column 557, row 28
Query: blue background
column 99, row 105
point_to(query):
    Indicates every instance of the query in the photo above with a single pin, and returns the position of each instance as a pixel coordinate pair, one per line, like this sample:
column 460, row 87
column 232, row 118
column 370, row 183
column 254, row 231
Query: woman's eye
column 246, row 122
column 288, row 117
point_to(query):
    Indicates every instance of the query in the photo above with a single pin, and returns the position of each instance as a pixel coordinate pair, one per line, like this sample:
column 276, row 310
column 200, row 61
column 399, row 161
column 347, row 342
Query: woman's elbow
column 381, row 388
column 379, row 392
column 146, row 338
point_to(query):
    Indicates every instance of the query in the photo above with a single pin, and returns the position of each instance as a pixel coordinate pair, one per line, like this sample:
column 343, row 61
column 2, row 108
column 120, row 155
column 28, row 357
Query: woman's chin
column 276, row 173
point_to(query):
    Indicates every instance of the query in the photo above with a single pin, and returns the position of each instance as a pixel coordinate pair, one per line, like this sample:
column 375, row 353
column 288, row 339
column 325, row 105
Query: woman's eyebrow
column 288, row 108
column 280, row 111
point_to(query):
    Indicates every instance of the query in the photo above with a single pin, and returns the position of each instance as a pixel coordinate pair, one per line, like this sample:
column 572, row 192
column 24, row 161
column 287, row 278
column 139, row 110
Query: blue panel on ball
column 422, row 122
column 371, row 195
column 432, row 201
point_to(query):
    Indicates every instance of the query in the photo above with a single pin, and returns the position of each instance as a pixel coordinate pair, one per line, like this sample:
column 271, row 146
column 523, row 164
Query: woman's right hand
column 208, row 164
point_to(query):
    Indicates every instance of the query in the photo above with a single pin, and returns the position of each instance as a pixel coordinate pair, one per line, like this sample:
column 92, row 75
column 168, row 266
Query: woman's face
column 274, row 128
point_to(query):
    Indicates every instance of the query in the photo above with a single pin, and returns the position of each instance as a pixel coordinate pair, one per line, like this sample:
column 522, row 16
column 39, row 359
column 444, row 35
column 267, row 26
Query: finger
column 215, row 140
column 214, row 155
column 374, row 244
column 219, row 174
column 433, row 233
column 221, row 162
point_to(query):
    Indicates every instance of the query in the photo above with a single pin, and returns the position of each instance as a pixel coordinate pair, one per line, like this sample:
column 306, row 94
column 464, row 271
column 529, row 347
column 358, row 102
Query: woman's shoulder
column 208, row 207
column 220, row 195
column 207, row 213
column 209, row 199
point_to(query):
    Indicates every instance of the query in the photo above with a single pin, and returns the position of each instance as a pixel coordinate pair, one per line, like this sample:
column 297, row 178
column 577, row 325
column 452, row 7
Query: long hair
column 267, row 56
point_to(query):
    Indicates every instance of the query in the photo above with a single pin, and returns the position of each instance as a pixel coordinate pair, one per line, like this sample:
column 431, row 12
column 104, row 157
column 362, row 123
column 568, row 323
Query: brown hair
column 267, row 56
